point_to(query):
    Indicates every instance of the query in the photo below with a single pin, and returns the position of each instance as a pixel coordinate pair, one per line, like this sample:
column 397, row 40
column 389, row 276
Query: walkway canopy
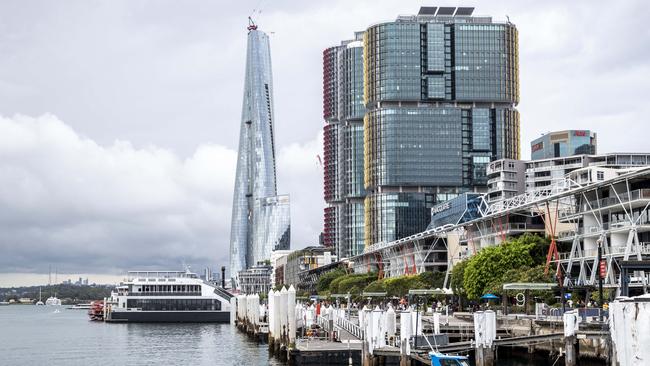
column 529, row 286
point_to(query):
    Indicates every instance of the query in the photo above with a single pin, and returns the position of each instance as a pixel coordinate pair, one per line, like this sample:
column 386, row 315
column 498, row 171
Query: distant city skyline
column 119, row 122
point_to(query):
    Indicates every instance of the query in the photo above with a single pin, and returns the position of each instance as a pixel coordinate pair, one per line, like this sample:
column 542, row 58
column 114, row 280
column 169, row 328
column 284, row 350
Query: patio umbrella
column 489, row 297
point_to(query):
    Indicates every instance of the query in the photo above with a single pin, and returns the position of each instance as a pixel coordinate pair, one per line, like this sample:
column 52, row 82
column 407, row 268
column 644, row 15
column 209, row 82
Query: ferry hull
column 170, row 317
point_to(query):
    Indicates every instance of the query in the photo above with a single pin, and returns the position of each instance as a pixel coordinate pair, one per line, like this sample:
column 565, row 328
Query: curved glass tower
column 260, row 218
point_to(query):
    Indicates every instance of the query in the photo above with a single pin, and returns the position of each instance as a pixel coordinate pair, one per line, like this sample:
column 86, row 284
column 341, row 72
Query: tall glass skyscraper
column 440, row 90
column 260, row 218
column 343, row 111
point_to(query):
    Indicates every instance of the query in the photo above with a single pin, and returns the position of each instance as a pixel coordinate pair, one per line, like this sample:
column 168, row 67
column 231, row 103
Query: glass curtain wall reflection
column 438, row 104
column 440, row 91
column 344, row 108
column 260, row 218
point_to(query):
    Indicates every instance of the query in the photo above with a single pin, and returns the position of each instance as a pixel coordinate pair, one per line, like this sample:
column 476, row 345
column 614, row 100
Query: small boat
column 439, row 359
column 85, row 306
column 53, row 301
column 96, row 311
column 39, row 302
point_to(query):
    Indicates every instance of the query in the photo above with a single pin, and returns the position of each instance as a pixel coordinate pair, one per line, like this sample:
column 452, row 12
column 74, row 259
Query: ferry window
column 600, row 175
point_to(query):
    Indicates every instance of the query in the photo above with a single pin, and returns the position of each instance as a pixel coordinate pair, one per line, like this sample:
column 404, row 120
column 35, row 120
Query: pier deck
column 323, row 352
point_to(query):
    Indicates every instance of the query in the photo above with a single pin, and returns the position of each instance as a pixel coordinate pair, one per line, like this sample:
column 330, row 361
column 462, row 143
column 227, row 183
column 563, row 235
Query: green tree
column 353, row 283
column 488, row 267
column 433, row 279
column 457, row 277
column 400, row 286
column 375, row 286
column 325, row 280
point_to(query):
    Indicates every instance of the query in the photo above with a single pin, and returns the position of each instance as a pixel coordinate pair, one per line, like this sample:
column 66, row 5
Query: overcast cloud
column 120, row 118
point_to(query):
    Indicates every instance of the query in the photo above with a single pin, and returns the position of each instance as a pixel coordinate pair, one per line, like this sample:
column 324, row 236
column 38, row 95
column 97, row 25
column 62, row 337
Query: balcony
column 596, row 230
column 613, row 252
column 511, row 228
column 639, row 194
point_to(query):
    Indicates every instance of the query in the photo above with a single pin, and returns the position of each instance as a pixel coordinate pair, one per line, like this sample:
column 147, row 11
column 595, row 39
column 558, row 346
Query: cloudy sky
column 119, row 119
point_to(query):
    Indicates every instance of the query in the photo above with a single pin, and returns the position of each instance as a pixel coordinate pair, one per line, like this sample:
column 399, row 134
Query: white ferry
column 167, row 296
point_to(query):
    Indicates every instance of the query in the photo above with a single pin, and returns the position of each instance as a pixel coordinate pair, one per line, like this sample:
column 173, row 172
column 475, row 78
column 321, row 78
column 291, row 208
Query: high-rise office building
column 260, row 218
column 440, row 90
column 343, row 111
column 562, row 144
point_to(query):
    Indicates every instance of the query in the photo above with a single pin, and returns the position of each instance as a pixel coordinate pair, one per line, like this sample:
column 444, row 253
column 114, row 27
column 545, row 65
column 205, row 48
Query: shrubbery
column 325, row 280
column 516, row 260
column 352, row 283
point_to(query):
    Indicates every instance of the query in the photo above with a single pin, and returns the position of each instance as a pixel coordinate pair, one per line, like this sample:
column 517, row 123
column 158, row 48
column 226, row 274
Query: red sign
column 603, row 268
column 537, row 146
column 580, row 133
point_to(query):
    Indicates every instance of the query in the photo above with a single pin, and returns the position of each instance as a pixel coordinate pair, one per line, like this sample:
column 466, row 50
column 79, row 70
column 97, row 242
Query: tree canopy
column 516, row 260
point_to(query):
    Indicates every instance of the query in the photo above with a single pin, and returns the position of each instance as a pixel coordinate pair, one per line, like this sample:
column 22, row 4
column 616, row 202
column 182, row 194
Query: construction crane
column 251, row 24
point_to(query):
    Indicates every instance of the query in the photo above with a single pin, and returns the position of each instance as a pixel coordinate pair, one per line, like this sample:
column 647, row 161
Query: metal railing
column 349, row 327
column 599, row 229
column 612, row 201
column 223, row 293
column 509, row 227
column 613, row 251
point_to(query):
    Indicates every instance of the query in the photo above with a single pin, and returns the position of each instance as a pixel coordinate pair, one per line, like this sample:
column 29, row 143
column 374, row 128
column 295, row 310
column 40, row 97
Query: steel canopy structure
column 575, row 214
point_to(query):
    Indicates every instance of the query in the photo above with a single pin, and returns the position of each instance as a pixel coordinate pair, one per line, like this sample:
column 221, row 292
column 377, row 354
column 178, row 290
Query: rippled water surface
column 31, row 335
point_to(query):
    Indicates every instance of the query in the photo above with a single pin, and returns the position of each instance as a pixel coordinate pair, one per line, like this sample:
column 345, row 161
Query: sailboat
column 52, row 300
column 40, row 302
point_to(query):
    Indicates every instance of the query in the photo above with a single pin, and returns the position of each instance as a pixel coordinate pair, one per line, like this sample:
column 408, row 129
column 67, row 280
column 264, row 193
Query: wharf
column 324, row 352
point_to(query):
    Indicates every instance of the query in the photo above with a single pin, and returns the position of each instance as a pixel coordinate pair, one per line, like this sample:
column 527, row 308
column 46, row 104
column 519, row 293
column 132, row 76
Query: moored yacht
column 167, row 296
column 53, row 301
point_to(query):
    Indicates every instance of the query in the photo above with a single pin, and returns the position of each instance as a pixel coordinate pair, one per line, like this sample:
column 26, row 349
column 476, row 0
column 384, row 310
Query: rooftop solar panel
column 428, row 10
column 445, row 10
column 464, row 11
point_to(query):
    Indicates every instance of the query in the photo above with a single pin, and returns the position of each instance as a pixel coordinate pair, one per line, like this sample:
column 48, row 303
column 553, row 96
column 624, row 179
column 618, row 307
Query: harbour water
column 31, row 335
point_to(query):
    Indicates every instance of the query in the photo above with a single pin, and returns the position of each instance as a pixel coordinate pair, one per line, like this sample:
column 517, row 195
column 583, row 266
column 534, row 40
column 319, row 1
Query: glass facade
column 255, row 178
column 174, row 304
column 457, row 210
column 413, row 147
column 353, row 160
column 485, row 62
column 393, row 62
column 354, row 229
column 350, row 85
column 343, row 147
column 439, row 97
column 396, row 215
column 272, row 227
column 331, row 182
column 563, row 143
